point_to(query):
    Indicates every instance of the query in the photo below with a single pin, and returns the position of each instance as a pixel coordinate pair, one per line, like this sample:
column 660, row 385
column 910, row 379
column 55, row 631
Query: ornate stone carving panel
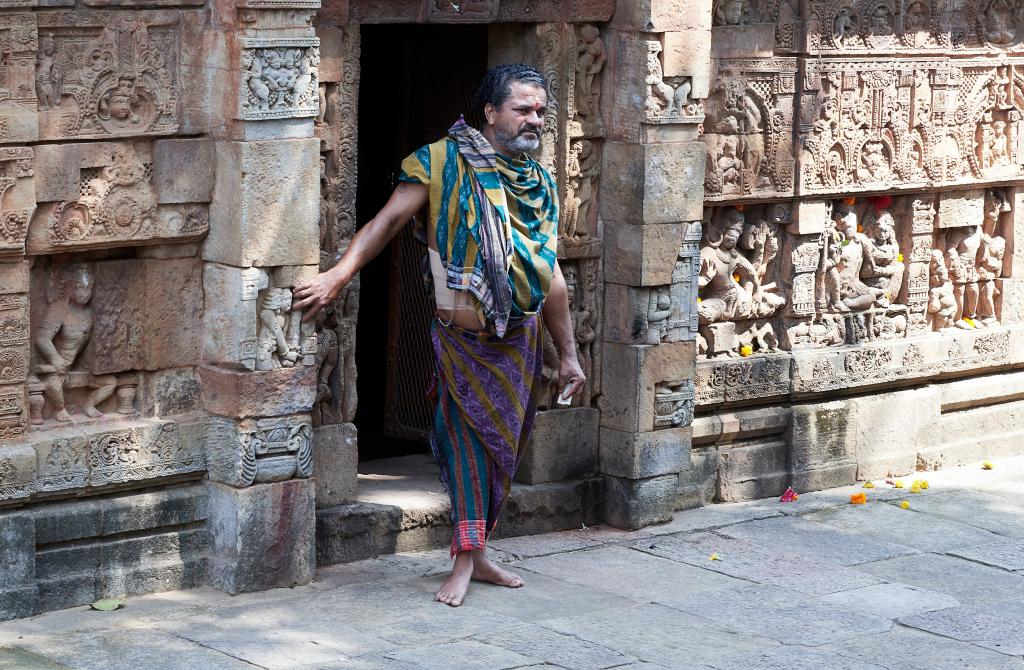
column 583, row 280
column 115, row 204
column 279, row 78
column 103, row 74
column 241, row 453
column 17, row 199
column 880, row 124
column 18, row 78
column 748, row 129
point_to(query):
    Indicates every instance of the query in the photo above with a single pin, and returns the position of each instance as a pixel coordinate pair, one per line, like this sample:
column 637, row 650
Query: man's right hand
column 317, row 293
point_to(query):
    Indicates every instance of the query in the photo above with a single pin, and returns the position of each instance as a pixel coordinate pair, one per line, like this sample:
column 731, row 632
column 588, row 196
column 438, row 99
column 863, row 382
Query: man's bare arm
column 405, row 201
column 559, row 324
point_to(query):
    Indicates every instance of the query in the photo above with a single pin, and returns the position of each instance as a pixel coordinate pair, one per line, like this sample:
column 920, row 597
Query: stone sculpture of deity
column 962, row 247
column 659, row 309
column 47, row 74
column 277, row 341
column 660, row 96
column 989, row 263
column 590, row 58
column 62, row 334
column 941, row 302
column 855, row 262
column 887, row 268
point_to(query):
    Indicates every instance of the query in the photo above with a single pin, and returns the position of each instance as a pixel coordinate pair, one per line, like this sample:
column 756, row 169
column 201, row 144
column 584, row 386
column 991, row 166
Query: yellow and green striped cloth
column 525, row 200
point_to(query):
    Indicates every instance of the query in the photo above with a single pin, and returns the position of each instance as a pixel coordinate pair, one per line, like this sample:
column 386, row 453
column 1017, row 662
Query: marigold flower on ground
column 869, row 485
column 904, row 504
column 899, row 258
column 746, row 350
column 714, row 557
column 858, row 498
column 987, row 465
column 915, row 488
column 898, row 484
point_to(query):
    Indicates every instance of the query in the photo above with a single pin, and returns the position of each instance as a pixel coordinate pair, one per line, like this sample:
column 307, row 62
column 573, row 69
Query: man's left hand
column 570, row 372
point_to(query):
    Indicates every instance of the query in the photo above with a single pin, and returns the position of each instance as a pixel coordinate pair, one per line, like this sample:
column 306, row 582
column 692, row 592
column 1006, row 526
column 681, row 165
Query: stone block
column 335, row 463
column 740, row 425
column 653, row 183
column 261, row 537
column 393, row 11
column 183, row 170
column 290, row 276
column 629, row 404
column 14, row 277
column 545, row 508
column 697, row 486
column 17, row 565
column 809, row 218
column 822, row 448
column 564, row 445
column 149, row 315
column 357, row 531
column 642, row 455
column 229, row 315
column 591, row 10
column 751, row 470
column 747, row 41
column 166, row 393
column 687, row 53
column 332, row 40
column 889, row 428
column 961, row 208
column 259, row 393
column 641, row 255
column 17, row 471
column 266, row 206
column 635, row 503
column 655, row 16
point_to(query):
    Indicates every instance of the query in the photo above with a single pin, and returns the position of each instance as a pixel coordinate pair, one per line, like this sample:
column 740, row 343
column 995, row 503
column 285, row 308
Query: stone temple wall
column 789, row 229
column 860, row 249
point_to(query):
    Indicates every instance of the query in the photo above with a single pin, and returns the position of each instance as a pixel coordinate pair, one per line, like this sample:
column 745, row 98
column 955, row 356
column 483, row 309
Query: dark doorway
column 414, row 82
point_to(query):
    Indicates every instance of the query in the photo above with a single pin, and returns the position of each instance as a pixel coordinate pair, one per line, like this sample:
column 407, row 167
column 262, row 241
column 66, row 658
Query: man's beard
column 519, row 143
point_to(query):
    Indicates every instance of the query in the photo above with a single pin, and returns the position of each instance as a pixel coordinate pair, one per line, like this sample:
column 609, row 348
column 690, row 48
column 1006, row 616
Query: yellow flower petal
column 869, row 485
column 987, row 465
column 897, row 484
column 714, row 557
column 915, row 489
column 746, row 350
column 858, row 498
column 904, row 504
column 924, row 483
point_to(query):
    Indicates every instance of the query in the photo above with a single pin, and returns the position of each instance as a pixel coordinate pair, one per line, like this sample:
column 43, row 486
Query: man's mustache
column 530, row 129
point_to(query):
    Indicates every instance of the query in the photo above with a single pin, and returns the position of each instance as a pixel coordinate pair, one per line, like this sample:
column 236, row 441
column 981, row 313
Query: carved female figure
column 990, row 259
column 886, row 270
column 941, row 302
column 722, row 297
column 273, row 348
column 962, row 245
column 855, row 260
column 659, row 309
column 660, row 96
column 590, row 58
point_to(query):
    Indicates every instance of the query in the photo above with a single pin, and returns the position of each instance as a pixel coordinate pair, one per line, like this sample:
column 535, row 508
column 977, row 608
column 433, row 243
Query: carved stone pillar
column 259, row 376
column 651, row 209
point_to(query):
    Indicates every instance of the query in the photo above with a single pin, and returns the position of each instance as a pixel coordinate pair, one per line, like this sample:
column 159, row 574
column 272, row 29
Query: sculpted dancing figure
column 495, row 276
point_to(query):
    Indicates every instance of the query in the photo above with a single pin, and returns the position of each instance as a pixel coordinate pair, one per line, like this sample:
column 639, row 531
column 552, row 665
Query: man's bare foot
column 453, row 591
column 486, row 570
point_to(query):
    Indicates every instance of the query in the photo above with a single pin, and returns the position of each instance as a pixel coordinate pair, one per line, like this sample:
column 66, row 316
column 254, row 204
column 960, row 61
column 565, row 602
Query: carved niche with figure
column 748, row 129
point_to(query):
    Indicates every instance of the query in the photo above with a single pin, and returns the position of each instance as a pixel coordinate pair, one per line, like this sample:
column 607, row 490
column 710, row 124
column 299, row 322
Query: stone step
column 401, row 506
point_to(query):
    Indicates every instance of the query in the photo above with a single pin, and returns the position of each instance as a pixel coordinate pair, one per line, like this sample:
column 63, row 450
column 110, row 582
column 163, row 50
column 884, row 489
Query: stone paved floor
column 814, row 584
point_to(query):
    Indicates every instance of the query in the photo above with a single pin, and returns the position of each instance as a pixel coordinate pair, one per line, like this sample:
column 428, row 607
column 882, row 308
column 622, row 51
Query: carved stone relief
column 673, row 404
column 668, row 98
column 872, row 125
column 17, row 199
column 279, row 78
column 748, row 129
column 240, row 453
column 18, row 70
column 60, row 384
column 738, row 280
column 590, row 60
column 100, row 74
column 116, row 206
column 579, row 211
column 464, row 10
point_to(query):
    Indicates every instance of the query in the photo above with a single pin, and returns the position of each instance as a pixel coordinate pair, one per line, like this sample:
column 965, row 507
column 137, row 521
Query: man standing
column 491, row 235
